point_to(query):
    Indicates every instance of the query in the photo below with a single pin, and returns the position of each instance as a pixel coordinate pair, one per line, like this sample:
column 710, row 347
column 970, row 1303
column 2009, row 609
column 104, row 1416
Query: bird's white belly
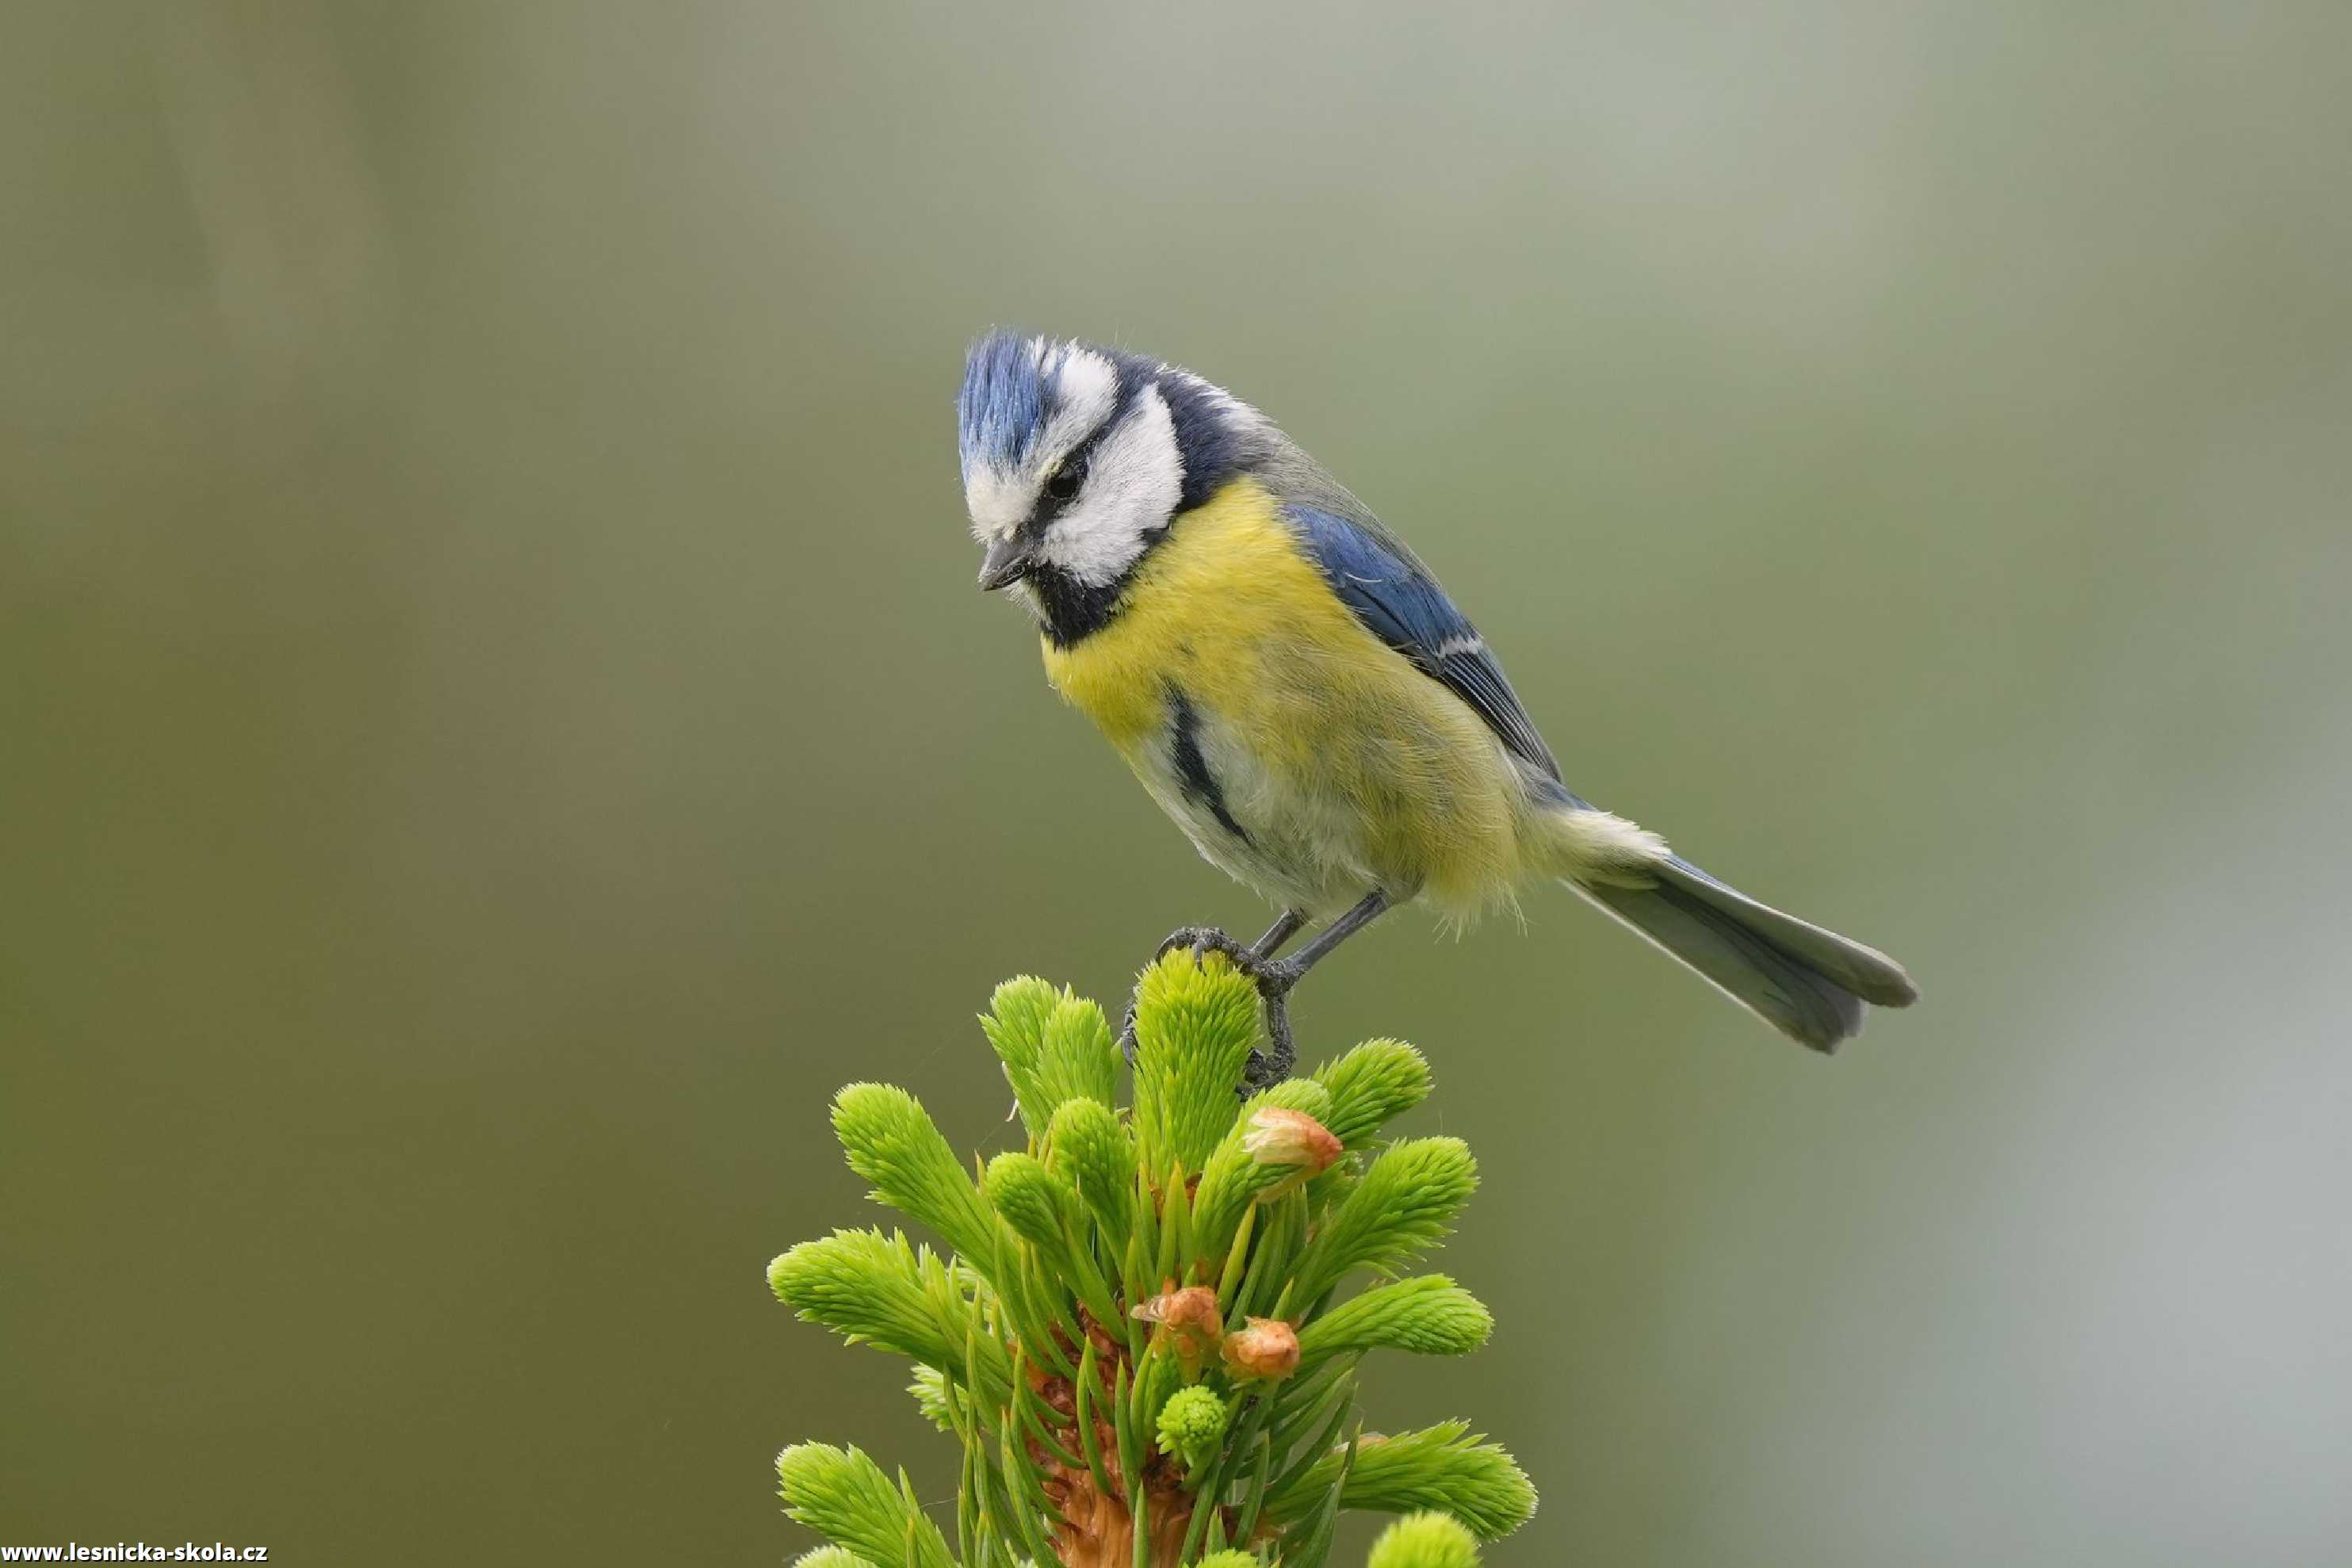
column 1295, row 839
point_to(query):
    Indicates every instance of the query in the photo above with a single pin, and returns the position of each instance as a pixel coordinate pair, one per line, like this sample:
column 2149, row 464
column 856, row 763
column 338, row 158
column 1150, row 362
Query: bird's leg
column 1288, row 971
column 1276, row 976
column 1280, row 931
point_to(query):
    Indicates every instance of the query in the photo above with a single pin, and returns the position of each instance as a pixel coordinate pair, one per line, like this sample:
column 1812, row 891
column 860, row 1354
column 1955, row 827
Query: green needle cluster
column 1138, row 1332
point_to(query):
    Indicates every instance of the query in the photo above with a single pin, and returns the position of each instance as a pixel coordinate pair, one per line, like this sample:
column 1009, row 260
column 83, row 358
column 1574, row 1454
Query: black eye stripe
column 1070, row 476
column 1133, row 376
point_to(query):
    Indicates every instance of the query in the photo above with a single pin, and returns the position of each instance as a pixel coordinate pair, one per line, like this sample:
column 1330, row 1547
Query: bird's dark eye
column 1063, row 482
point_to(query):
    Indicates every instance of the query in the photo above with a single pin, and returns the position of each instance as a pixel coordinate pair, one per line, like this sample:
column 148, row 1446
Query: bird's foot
column 1274, row 978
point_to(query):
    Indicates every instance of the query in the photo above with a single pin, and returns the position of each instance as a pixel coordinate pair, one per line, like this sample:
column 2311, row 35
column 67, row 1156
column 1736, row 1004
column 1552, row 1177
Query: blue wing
column 1400, row 602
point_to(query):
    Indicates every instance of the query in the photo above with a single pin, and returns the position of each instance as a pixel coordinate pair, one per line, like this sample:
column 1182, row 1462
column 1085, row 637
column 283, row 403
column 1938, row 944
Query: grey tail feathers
column 1809, row 983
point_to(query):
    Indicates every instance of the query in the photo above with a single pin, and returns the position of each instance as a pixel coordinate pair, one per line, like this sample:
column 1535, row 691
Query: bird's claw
column 1274, row 978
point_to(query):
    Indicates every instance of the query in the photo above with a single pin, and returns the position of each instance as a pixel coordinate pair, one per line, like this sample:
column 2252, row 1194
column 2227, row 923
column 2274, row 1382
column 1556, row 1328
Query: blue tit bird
column 1293, row 687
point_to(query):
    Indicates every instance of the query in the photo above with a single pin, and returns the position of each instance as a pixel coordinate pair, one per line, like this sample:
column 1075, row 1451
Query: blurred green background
column 498, row 725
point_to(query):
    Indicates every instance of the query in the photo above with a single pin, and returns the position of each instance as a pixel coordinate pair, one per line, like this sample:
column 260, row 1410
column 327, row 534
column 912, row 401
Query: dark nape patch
column 1205, row 441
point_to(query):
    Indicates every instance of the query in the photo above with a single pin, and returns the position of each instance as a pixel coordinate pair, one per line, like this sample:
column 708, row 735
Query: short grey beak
column 1007, row 562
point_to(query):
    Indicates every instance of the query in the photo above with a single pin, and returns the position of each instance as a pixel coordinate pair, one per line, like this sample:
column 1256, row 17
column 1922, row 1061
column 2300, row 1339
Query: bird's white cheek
column 1132, row 489
column 1094, row 546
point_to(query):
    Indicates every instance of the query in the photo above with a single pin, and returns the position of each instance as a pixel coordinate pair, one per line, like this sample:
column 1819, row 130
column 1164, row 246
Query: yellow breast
column 1355, row 757
column 1226, row 591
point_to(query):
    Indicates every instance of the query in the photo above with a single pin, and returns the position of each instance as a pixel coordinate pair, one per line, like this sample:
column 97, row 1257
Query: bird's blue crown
column 1008, row 396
